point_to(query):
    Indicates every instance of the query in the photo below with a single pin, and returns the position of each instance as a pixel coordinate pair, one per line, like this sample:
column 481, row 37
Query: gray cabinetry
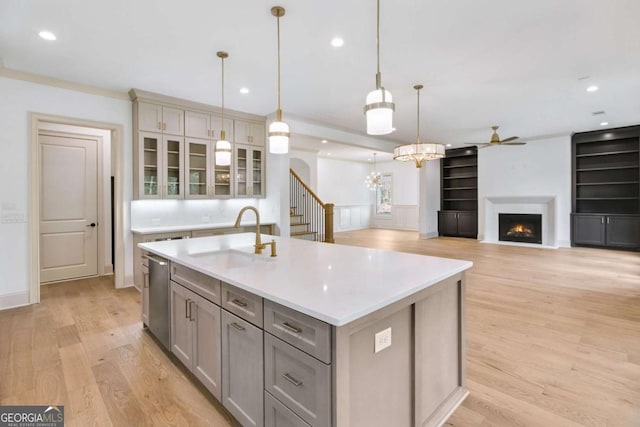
column 195, row 336
column 278, row 415
column 242, row 370
column 298, row 380
column 242, row 303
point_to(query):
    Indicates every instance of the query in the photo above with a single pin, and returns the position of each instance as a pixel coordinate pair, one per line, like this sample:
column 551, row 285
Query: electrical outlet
column 382, row 340
column 205, row 219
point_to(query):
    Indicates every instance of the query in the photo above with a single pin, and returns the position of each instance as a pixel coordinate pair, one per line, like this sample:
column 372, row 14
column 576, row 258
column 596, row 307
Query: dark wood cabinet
column 458, row 223
column 459, row 193
column 606, row 188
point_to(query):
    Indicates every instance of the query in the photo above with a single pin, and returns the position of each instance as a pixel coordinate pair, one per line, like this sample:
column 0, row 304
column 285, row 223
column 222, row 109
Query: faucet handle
column 273, row 248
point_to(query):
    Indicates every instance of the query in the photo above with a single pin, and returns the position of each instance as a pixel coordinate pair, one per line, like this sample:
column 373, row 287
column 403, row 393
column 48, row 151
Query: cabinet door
column 278, row 415
column 149, row 165
column 242, row 370
column 149, row 117
column 258, row 134
column 222, row 175
column 197, row 125
column 173, row 121
column 241, row 172
column 623, row 231
column 468, row 224
column 197, row 175
column 242, row 131
column 206, row 346
column 216, row 127
column 257, row 172
column 173, row 185
column 588, row 229
column 447, row 223
column 182, row 307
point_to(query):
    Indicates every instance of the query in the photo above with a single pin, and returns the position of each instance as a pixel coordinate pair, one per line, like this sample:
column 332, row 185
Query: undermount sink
column 234, row 258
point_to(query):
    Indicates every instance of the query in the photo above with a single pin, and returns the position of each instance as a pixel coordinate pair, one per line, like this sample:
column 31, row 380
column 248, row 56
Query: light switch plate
column 382, row 340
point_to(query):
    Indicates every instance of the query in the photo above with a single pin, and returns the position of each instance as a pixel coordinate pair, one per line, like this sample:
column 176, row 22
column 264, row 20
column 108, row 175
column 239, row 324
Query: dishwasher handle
column 154, row 259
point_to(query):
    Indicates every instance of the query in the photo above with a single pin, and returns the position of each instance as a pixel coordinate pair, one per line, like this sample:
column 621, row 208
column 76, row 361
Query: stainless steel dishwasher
column 159, row 310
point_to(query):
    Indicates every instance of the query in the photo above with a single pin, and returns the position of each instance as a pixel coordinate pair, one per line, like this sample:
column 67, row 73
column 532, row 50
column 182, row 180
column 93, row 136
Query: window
column 384, row 195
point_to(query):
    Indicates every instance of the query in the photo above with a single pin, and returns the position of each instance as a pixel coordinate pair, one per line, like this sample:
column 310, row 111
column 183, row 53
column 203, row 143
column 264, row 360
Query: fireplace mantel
column 544, row 205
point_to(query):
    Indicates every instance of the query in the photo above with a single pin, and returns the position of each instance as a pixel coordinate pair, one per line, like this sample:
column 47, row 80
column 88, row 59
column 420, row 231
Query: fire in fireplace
column 524, row 228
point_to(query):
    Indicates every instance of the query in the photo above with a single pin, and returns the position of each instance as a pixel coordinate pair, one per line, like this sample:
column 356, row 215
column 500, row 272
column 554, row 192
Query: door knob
column 93, row 224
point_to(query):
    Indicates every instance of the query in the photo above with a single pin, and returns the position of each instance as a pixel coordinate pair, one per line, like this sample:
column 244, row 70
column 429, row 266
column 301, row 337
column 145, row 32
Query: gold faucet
column 259, row 246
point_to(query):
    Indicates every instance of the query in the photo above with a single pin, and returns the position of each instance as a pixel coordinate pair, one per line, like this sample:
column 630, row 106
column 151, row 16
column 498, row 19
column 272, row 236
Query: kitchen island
column 321, row 335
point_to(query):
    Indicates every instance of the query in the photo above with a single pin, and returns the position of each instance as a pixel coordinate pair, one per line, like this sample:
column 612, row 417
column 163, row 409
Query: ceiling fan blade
column 513, row 138
column 514, row 143
column 485, row 145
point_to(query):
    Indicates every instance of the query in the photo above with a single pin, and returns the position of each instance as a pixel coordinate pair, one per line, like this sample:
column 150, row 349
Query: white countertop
column 334, row 283
column 175, row 228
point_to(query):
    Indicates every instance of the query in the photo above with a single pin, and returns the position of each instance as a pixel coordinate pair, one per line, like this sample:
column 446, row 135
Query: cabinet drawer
column 298, row 380
column 205, row 286
column 304, row 332
column 278, row 415
column 241, row 303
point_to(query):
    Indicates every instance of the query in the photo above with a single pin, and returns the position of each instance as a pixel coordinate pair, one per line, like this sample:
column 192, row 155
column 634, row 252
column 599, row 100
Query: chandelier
column 372, row 181
column 420, row 151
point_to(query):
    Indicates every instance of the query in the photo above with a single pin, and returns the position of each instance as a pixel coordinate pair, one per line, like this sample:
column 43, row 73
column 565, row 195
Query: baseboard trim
column 18, row 299
column 564, row 243
column 431, row 235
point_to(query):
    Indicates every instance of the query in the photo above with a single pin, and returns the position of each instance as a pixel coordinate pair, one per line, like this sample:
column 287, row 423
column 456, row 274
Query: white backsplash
column 162, row 213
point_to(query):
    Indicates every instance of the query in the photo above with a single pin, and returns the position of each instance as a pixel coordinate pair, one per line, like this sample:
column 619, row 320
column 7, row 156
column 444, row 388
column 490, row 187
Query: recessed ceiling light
column 448, row 145
column 604, row 123
column 244, row 90
column 324, row 141
column 393, row 129
column 337, row 42
column 47, row 35
column 368, row 160
column 592, row 88
column 328, row 154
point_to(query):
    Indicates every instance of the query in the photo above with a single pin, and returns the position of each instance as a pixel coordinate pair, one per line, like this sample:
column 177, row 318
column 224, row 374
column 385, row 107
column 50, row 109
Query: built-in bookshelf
column 606, row 187
column 459, row 193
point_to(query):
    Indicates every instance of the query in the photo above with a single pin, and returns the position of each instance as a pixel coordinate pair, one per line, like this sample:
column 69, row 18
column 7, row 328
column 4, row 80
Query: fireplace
column 524, row 228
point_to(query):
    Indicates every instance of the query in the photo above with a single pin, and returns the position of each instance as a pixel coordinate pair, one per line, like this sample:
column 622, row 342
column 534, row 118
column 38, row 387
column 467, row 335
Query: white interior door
column 68, row 207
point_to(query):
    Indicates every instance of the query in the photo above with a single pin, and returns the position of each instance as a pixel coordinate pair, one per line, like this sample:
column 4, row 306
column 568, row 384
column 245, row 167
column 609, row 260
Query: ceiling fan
column 495, row 140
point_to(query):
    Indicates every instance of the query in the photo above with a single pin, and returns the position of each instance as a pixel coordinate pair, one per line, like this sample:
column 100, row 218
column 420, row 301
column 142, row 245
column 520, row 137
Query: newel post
column 328, row 223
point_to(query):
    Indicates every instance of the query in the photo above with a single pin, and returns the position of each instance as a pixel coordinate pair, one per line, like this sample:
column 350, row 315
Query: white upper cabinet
column 158, row 118
column 249, row 133
column 207, row 126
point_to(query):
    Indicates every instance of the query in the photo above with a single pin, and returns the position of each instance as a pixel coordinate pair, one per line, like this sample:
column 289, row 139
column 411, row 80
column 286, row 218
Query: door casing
column 117, row 159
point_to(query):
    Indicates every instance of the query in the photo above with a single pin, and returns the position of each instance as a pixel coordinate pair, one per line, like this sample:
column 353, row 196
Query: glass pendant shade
column 419, row 152
column 379, row 112
column 278, row 137
column 223, row 153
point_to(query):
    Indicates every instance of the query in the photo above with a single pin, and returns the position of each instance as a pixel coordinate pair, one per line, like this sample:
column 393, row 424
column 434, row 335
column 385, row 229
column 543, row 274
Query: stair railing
column 319, row 215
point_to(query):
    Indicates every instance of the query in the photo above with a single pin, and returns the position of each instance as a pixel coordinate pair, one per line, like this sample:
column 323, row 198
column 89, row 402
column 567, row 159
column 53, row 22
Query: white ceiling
column 337, row 150
column 512, row 63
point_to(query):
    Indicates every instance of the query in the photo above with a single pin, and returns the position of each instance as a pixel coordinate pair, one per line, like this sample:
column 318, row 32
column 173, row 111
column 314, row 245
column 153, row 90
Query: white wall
column 341, row 182
column 429, row 194
column 404, row 212
column 309, row 158
column 19, row 99
column 540, row 168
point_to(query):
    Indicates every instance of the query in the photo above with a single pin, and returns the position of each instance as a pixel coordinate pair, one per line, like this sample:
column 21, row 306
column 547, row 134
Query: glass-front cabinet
column 160, row 160
column 205, row 178
column 249, row 171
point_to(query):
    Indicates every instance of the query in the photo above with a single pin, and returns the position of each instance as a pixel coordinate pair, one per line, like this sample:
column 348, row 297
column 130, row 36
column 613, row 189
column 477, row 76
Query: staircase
column 310, row 218
column 299, row 228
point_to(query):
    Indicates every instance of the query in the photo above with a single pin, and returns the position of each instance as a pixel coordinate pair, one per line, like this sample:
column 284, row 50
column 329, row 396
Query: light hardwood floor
column 553, row 339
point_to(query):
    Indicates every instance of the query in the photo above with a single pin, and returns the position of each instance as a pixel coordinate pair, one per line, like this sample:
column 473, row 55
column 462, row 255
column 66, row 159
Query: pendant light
column 419, row 151
column 379, row 107
column 278, row 130
column 372, row 181
column 223, row 147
